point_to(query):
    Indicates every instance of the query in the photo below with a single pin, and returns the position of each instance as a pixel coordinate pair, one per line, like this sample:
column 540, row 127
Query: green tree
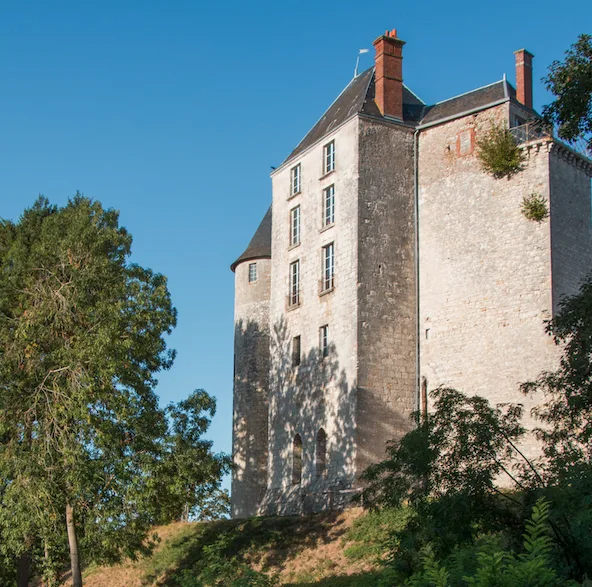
column 192, row 472
column 570, row 82
column 81, row 339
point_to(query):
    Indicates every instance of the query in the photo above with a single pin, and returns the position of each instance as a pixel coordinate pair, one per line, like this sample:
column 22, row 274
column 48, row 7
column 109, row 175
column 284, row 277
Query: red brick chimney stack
column 389, row 74
column 524, row 77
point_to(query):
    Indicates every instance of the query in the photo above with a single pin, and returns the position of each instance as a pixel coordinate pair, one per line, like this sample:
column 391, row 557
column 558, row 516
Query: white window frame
column 252, row 272
column 295, row 226
column 324, row 340
column 329, row 158
column 295, row 180
column 329, row 205
column 294, row 292
column 328, row 278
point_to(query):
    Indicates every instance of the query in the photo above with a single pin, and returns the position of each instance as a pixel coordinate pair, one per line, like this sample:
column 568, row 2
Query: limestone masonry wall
column 251, row 387
column 485, row 270
column 571, row 235
column 387, row 314
column 320, row 393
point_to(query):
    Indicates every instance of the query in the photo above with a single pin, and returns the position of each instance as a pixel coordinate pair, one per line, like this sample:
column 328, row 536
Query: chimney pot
column 524, row 77
column 389, row 74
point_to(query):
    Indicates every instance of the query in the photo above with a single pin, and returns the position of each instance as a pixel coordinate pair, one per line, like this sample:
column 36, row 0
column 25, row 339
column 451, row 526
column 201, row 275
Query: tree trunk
column 23, row 570
column 73, row 544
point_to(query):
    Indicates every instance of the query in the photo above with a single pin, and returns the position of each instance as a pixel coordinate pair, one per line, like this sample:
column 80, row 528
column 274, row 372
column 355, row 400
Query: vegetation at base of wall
column 534, row 207
column 498, row 152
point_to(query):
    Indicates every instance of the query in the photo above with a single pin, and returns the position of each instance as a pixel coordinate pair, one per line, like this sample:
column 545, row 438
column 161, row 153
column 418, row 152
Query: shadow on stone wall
column 305, row 398
column 250, row 417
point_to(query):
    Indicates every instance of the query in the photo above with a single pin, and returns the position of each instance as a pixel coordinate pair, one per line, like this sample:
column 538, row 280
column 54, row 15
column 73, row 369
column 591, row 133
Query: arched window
column 321, row 453
column 297, row 460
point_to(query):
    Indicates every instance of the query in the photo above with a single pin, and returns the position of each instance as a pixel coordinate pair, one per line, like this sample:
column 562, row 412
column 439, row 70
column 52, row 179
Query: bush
column 498, row 152
column 534, row 207
column 492, row 565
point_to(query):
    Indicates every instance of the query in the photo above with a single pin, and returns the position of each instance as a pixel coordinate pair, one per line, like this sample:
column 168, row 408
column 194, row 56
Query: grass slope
column 331, row 550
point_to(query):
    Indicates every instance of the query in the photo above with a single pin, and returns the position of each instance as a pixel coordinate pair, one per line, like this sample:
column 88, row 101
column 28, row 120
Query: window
column 295, row 180
column 294, row 295
column 329, row 205
column 252, row 272
column 297, row 460
column 324, row 340
column 296, row 351
column 321, row 453
column 329, row 157
column 295, row 226
column 328, row 267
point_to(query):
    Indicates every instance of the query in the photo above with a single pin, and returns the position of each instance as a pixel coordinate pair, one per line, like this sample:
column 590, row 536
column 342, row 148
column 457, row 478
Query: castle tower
column 395, row 259
column 251, row 372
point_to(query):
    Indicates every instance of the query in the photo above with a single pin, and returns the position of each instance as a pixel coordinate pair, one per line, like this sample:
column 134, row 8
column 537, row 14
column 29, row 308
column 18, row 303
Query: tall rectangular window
column 328, row 267
column 294, row 295
column 252, row 272
column 295, row 180
column 324, row 340
column 329, row 205
column 329, row 157
column 295, row 226
column 296, row 352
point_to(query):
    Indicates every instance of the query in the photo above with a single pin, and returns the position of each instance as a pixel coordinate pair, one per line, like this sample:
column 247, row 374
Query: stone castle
column 388, row 264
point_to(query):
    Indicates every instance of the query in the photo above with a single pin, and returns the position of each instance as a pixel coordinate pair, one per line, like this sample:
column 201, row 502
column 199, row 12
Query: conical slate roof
column 260, row 245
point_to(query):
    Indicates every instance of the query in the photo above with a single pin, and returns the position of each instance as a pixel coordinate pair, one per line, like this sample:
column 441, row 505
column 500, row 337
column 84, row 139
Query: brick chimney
column 389, row 74
column 524, row 77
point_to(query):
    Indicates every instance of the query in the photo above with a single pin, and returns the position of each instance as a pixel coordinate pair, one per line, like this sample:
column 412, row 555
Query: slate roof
column 358, row 97
column 260, row 245
column 478, row 98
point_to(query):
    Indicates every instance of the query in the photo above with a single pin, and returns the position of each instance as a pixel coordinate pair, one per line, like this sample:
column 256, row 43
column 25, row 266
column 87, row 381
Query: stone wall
column 387, row 310
column 251, row 386
column 571, row 234
column 485, row 270
column 320, row 393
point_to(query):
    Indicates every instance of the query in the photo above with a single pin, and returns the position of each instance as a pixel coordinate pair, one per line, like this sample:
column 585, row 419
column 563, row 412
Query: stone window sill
column 326, row 175
column 326, row 291
column 327, row 227
column 292, row 196
column 295, row 246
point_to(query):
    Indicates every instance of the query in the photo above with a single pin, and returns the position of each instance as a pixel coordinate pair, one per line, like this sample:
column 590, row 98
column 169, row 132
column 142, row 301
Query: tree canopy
column 82, row 337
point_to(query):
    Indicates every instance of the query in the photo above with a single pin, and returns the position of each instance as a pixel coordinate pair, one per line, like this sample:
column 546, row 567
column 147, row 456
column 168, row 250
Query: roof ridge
column 414, row 94
column 469, row 92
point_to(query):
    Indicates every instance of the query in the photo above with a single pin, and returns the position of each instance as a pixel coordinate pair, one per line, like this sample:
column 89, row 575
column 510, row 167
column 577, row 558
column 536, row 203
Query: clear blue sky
column 173, row 113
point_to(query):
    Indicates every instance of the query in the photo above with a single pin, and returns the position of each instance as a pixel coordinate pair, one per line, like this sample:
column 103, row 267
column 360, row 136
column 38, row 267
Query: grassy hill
column 330, row 550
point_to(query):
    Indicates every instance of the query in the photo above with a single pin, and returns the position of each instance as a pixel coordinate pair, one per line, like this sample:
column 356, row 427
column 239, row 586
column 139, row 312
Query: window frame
column 329, row 157
column 329, row 205
column 324, row 341
column 295, row 180
column 294, row 279
column 295, row 226
column 251, row 272
column 328, row 267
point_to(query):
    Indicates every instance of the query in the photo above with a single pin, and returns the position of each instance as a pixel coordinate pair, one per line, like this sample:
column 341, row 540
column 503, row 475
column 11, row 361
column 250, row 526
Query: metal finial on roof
column 360, row 52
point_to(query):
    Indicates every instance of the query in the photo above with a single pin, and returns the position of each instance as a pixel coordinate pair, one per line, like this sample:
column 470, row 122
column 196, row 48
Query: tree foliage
column 82, row 337
column 571, row 82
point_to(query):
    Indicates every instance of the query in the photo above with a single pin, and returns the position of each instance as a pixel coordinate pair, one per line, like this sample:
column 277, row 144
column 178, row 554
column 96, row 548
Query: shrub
column 534, row 207
column 498, row 152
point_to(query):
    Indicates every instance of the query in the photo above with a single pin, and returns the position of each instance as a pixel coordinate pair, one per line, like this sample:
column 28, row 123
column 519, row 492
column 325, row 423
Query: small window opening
column 297, row 460
column 296, row 351
column 252, row 272
column 321, row 453
column 324, row 340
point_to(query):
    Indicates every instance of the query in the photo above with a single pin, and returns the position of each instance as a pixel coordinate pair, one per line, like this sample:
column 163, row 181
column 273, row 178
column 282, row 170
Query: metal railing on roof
column 536, row 129
column 531, row 131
